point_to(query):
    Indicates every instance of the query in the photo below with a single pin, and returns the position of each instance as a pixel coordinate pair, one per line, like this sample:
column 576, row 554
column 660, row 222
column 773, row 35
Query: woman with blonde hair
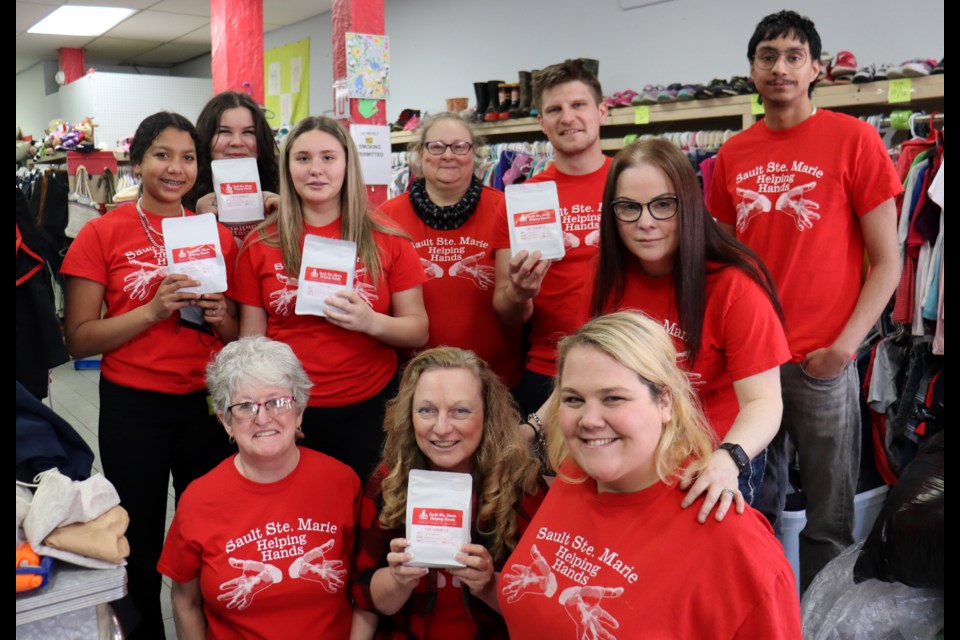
column 452, row 413
column 611, row 551
column 349, row 353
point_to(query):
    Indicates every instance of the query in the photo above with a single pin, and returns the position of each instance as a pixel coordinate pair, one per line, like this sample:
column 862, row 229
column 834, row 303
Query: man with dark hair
column 809, row 190
column 571, row 108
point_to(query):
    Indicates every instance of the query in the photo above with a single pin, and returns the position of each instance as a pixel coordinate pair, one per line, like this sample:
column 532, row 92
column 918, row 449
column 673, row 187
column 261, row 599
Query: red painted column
column 236, row 35
column 357, row 16
column 71, row 63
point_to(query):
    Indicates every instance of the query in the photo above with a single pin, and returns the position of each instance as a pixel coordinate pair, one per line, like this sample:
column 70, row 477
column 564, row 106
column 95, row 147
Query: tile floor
column 74, row 396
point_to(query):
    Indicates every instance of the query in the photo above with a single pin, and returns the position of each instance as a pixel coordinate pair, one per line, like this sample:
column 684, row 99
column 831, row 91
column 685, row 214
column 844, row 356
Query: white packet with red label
column 533, row 218
column 192, row 245
column 327, row 266
column 236, row 183
column 438, row 516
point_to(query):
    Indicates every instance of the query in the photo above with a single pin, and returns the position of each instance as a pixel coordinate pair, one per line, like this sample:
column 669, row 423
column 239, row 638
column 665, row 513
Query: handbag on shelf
column 81, row 207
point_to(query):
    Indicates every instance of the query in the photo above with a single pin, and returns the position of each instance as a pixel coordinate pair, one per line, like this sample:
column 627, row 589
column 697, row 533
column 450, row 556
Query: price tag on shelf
column 641, row 114
column 756, row 107
column 629, row 139
column 900, row 90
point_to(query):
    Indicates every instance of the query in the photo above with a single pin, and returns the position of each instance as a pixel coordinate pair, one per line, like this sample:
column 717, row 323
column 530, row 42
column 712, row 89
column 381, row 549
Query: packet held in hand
column 236, row 182
column 193, row 248
column 533, row 216
column 327, row 266
column 438, row 516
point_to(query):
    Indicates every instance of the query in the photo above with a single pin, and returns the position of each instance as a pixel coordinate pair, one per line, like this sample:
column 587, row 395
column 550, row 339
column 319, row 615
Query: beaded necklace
column 153, row 234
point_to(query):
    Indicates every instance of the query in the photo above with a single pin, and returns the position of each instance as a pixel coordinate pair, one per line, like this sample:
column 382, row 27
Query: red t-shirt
column 742, row 334
column 636, row 565
column 345, row 366
column 247, row 542
column 796, row 196
column 555, row 309
column 114, row 250
column 460, row 269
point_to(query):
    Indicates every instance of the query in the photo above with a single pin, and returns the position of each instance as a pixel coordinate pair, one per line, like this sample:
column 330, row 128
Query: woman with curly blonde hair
column 452, row 413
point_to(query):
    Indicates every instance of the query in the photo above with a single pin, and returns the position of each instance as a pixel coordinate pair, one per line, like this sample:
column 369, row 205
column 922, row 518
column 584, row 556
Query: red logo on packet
column 235, row 188
column 529, row 218
column 326, row 276
column 438, row 517
column 199, row 252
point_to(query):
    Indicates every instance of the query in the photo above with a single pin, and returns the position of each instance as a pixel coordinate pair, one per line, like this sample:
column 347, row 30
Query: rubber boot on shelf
column 526, row 93
column 534, row 112
column 492, row 114
column 515, row 101
column 503, row 94
column 483, row 100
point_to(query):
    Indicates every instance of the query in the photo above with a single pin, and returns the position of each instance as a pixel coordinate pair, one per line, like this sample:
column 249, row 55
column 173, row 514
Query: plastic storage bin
column 867, row 507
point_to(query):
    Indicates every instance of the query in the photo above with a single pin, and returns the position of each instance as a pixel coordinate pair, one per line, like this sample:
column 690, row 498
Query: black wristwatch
column 740, row 457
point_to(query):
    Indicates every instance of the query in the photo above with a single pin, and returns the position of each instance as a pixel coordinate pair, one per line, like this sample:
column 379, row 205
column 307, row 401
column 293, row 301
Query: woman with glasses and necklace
column 156, row 338
column 662, row 253
column 451, row 218
column 261, row 545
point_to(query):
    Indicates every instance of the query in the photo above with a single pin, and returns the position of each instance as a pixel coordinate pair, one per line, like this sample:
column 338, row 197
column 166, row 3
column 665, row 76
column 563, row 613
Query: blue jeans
column 751, row 477
column 822, row 419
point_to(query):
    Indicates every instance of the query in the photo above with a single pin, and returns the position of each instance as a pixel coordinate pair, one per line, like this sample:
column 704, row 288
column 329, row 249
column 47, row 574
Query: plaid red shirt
column 412, row 621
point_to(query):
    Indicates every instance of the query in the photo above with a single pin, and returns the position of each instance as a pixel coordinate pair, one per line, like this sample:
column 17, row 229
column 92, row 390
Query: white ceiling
column 162, row 33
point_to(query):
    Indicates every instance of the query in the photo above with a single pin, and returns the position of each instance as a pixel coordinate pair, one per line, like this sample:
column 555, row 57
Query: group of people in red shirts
column 761, row 290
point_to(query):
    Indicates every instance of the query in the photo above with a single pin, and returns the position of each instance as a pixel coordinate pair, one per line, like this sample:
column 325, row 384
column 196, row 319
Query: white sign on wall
column 373, row 145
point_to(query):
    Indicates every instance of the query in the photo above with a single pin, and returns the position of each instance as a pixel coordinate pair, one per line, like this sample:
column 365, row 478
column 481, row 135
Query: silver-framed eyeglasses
column 459, row 148
column 248, row 410
column 662, row 208
column 766, row 59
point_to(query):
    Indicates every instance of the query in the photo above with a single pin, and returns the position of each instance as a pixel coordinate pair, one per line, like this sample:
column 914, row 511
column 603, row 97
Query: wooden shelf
column 717, row 113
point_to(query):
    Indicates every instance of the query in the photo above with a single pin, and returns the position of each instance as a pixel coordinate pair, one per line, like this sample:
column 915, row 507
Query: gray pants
column 822, row 419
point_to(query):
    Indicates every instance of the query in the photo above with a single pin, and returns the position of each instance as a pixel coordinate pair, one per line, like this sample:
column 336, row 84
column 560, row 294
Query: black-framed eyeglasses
column 766, row 59
column 248, row 410
column 662, row 208
column 459, row 148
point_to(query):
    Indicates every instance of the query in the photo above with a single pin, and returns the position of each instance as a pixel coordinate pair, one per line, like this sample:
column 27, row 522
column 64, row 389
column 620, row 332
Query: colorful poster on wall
column 286, row 76
column 368, row 66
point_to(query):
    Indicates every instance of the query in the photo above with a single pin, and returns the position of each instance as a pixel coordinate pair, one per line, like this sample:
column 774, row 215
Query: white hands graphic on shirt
column 431, row 269
column 582, row 604
column 570, row 241
column 282, row 300
column 314, row 566
column 470, row 268
column 592, row 239
column 257, row 576
column 536, row 579
column 802, row 210
column 140, row 283
column 751, row 205
column 366, row 291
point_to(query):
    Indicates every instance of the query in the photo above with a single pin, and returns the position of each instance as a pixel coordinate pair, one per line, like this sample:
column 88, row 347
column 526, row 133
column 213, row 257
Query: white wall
column 34, row 108
column 440, row 47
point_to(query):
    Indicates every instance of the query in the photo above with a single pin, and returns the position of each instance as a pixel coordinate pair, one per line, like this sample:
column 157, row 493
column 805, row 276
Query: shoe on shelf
column 938, row 69
column 739, row 84
column 687, row 92
column 613, row 100
column 826, row 59
column 881, row 71
column 865, row 74
column 413, row 123
column 405, row 116
column 668, row 93
column 915, row 68
column 702, row 92
column 721, row 88
column 650, row 93
column 844, row 65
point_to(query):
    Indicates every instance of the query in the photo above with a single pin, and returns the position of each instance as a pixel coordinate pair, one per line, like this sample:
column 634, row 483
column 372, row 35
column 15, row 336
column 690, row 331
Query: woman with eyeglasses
column 451, row 217
column 662, row 253
column 349, row 353
column 262, row 543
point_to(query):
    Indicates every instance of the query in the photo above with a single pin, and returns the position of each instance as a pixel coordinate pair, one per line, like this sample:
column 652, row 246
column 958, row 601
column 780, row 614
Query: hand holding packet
column 236, row 183
column 192, row 245
column 327, row 266
column 438, row 517
column 533, row 218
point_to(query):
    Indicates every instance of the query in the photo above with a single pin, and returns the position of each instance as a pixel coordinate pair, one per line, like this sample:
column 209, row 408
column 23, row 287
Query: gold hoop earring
column 231, row 439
